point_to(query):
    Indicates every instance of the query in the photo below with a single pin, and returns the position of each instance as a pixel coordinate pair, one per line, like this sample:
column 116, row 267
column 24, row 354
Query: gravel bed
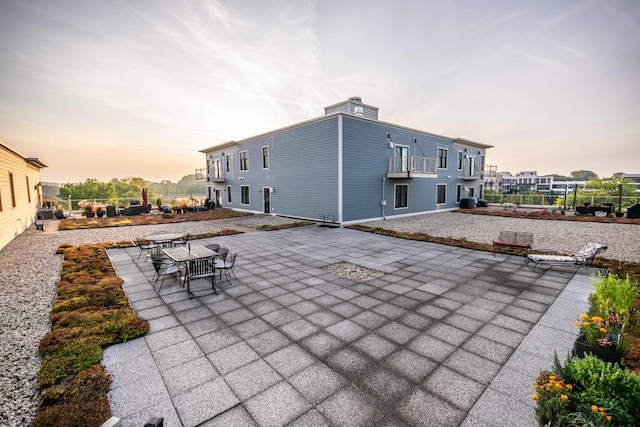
column 622, row 240
column 29, row 270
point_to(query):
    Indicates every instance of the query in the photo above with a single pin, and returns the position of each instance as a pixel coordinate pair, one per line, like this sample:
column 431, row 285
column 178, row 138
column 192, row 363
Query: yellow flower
column 559, row 386
column 603, row 330
column 534, row 397
column 601, row 409
column 586, row 324
column 535, row 386
column 597, row 319
column 569, row 386
column 564, row 397
column 594, row 408
column 608, row 417
column 552, row 377
column 578, row 324
column 584, row 316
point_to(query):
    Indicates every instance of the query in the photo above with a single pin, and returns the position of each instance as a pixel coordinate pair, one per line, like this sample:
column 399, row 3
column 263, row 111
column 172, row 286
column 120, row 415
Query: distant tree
column 583, row 175
column 601, row 187
column 557, row 177
column 88, row 190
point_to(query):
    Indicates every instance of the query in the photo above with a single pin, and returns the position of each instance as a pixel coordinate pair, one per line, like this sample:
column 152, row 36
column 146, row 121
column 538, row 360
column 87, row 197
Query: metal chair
column 145, row 245
column 199, row 269
column 213, row 246
column 182, row 242
column 163, row 268
column 227, row 265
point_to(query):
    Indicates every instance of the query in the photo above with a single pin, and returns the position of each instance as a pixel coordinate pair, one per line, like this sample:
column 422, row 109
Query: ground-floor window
column 401, row 196
column 458, row 192
column 441, row 194
column 229, row 194
column 244, row 194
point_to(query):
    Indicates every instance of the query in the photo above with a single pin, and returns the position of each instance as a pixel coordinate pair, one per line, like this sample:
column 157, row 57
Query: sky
column 113, row 89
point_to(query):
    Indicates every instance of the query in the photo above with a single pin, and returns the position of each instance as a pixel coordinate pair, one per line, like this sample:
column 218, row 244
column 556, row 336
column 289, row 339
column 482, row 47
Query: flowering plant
column 595, row 331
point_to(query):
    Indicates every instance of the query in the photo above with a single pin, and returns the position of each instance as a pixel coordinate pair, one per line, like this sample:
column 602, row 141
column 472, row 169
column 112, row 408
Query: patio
column 447, row 336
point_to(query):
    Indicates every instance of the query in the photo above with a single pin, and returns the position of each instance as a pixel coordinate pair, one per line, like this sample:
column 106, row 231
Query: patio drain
column 353, row 272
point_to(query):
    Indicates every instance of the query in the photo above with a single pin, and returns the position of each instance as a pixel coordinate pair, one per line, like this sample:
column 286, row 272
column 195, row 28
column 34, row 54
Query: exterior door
column 401, row 157
column 266, row 195
column 218, row 199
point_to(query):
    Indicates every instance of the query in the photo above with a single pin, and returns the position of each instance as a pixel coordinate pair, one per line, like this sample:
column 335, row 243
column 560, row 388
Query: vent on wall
column 358, row 111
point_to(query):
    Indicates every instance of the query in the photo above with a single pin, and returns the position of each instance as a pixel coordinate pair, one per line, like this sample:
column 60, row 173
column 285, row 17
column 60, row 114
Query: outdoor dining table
column 164, row 237
column 189, row 256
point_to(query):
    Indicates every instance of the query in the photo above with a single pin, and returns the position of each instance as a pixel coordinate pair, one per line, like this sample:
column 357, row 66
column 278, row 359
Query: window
column 13, row 191
column 244, row 160
column 442, row 158
column 459, row 160
column 458, row 192
column 401, row 158
column 28, row 190
column 228, row 194
column 265, row 157
column 441, row 194
column 217, row 169
column 244, row 194
column 228, row 160
column 401, row 196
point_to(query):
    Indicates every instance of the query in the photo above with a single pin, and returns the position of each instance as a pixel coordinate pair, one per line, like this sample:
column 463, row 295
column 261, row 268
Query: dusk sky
column 113, row 89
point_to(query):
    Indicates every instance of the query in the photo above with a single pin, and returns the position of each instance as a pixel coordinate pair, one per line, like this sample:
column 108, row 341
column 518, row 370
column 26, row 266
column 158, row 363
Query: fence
column 558, row 200
column 71, row 205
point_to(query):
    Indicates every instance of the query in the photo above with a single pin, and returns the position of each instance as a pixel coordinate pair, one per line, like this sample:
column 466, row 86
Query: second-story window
column 265, row 157
column 13, row 191
column 442, row 158
column 217, row 169
column 28, row 190
column 244, row 160
column 459, row 160
column 228, row 161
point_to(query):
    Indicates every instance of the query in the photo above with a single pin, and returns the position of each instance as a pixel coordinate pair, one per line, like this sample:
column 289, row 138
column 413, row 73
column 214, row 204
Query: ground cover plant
column 161, row 218
column 544, row 214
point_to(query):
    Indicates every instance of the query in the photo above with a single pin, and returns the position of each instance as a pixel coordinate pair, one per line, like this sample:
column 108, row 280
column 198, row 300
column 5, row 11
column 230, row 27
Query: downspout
column 383, row 202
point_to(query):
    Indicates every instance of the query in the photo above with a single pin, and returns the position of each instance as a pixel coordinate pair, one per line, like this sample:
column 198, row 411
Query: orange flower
column 534, row 397
column 564, row 397
column 597, row 319
column 608, row 417
column 578, row 324
column 594, row 408
column 603, row 330
column 584, row 316
column 552, row 377
column 586, row 324
column 559, row 386
column 569, row 386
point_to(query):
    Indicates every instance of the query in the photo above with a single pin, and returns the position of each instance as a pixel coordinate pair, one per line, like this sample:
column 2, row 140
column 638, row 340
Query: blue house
column 345, row 167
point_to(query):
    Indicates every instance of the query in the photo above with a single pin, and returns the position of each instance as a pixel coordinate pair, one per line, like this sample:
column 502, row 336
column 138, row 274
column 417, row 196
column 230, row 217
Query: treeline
column 129, row 189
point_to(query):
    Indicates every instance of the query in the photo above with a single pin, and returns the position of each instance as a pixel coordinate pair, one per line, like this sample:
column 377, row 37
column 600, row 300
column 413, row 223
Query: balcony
column 472, row 172
column 411, row 167
column 216, row 176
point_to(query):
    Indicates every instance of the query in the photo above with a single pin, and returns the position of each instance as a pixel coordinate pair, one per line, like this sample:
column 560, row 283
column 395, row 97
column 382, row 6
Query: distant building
column 344, row 167
column 504, row 182
column 20, row 192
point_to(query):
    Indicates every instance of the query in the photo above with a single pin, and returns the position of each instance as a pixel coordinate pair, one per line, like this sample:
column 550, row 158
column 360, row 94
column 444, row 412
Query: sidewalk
column 447, row 336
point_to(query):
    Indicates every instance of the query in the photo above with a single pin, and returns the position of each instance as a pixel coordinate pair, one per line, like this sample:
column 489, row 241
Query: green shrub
column 613, row 295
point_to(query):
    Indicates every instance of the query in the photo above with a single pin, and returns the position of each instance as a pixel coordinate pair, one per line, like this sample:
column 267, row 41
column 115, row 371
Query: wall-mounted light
column 389, row 141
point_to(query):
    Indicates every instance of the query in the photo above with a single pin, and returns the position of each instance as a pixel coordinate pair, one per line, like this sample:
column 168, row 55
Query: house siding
column 15, row 219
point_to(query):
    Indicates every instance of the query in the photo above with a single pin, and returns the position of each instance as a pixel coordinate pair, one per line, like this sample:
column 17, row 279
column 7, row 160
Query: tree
column 583, row 175
column 88, row 190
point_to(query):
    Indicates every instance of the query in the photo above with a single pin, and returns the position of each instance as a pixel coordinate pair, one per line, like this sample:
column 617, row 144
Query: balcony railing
column 216, row 176
column 472, row 172
column 201, row 174
column 411, row 167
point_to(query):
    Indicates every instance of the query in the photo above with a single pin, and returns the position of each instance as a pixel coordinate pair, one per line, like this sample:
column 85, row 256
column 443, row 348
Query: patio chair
column 164, row 267
column 213, row 246
column 201, row 268
column 583, row 258
column 227, row 265
column 145, row 246
column 181, row 242
column 222, row 252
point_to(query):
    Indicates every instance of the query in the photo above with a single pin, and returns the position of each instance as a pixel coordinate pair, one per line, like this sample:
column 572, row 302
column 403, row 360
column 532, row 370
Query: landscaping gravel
column 29, row 270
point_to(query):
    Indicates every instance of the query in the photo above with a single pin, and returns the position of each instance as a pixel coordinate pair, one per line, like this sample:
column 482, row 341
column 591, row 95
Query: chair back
column 222, row 253
column 231, row 259
column 213, row 246
column 202, row 267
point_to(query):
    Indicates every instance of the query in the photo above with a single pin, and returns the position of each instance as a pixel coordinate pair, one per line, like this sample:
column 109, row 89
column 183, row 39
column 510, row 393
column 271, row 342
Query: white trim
column 360, row 221
column 240, row 161
column 446, row 158
column 268, row 156
column 460, row 157
column 248, row 195
column 340, row 166
column 394, row 197
column 445, row 194
column 458, row 193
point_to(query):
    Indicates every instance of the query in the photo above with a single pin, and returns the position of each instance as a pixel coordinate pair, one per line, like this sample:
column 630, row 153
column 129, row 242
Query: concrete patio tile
column 167, row 337
column 162, row 323
column 350, row 407
column 217, row 339
column 375, row 346
column 473, row 366
column 346, row 309
column 309, row 293
column 386, row 385
column 346, row 330
column 498, row 334
column 163, row 408
column 397, row 332
column 422, row 409
column 236, row 316
column 220, row 307
column 431, row 347
column 321, row 344
column 327, row 300
column 294, row 285
column 349, row 362
column 324, row 318
column 236, row 416
column 345, row 294
column 463, row 322
column 388, row 310
column 369, row 320
column 251, row 379
column 313, row 418
column 475, row 312
column 433, row 288
column 510, row 383
column 365, row 301
column 232, row 357
column 415, row 321
column 280, row 317
column 274, row 291
column 525, row 314
column 155, row 312
column 185, row 304
column 251, row 298
column 205, row 325
column 317, row 382
column 457, row 389
column 264, row 307
column 174, row 355
column 131, row 397
column 204, row 402
column 188, row 375
column 411, row 365
column 249, row 328
column 432, row 311
column 499, row 410
column 268, row 342
column 484, row 347
column 304, row 308
column 288, row 299
column 277, row 405
column 383, row 295
column 299, row 329
column 448, row 333
column 289, row 360
column 129, row 361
